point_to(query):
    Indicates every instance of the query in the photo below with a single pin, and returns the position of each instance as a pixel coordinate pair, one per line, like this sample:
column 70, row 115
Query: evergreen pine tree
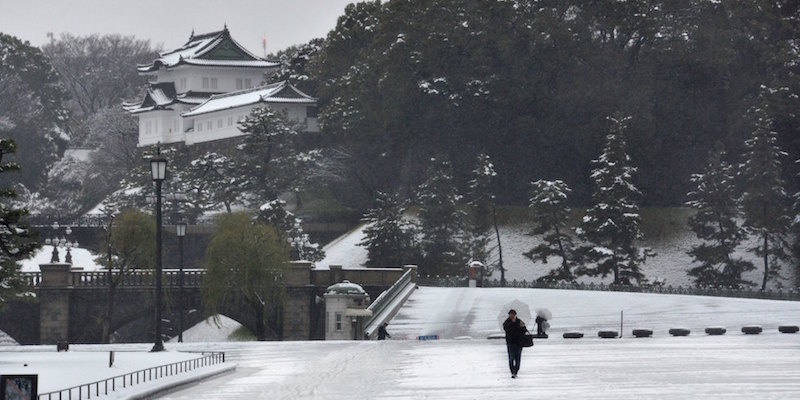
column 267, row 153
column 16, row 240
column 548, row 205
column 715, row 223
column 611, row 224
column 389, row 238
column 274, row 213
column 765, row 203
column 441, row 222
column 480, row 204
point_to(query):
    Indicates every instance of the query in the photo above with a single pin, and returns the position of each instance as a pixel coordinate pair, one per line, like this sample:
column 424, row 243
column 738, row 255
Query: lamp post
column 158, row 169
column 180, row 230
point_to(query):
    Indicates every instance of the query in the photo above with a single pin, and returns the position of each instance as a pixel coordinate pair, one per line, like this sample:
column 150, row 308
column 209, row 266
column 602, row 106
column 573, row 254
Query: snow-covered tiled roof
column 280, row 92
column 158, row 96
column 210, row 49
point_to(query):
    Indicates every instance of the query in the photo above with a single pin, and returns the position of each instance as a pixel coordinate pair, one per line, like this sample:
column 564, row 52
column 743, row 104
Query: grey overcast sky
column 168, row 23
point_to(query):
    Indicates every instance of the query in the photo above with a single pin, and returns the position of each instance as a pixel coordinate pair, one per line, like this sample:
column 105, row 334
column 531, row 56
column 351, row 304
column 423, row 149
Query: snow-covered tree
column 266, row 152
column 390, row 238
column 480, row 205
column 716, row 224
column 211, row 181
column 548, row 205
column 441, row 222
column 32, row 112
column 271, row 156
column 295, row 61
column 765, row 203
column 611, row 224
column 274, row 213
column 16, row 240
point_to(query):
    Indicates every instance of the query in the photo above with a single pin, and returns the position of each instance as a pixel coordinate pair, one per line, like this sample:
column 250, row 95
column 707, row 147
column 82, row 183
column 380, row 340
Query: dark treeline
column 530, row 83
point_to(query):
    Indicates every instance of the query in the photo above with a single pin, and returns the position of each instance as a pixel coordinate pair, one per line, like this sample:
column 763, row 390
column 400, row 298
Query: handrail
column 384, row 300
column 140, row 376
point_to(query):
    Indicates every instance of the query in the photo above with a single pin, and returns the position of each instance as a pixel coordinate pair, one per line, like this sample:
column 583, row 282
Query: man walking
column 515, row 332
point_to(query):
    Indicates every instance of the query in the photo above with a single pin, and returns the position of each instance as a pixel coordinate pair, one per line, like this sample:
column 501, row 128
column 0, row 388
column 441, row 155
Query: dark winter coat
column 515, row 331
column 382, row 334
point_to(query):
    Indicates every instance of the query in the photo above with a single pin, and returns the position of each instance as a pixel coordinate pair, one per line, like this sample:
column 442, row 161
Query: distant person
column 515, row 332
column 382, row 334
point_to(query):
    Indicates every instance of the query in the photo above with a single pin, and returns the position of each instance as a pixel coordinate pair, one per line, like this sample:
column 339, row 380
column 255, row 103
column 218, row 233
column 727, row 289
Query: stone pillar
column 336, row 274
column 413, row 269
column 54, row 296
column 299, row 274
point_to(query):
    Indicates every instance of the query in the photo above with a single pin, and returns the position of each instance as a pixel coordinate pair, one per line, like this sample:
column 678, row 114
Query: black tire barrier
column 751, row 330
column 572, row 335
column 679, row 332
column 639, row 333
column 608, row 334
column 788, row 329
column 715, row 331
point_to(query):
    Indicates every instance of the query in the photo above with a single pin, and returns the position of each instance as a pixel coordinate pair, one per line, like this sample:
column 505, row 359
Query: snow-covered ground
column 81, row 258
column 670, row 264
column 466, row 365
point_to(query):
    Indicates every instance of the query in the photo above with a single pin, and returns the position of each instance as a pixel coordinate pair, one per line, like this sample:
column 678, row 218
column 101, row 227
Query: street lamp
column 158, row 169
column 180, row 230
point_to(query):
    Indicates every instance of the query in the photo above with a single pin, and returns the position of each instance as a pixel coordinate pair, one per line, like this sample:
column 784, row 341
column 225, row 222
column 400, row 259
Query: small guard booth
column 346, row 311
column 475, row 274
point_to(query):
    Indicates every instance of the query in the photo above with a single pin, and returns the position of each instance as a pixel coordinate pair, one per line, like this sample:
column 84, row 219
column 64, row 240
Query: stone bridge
column 69, row 304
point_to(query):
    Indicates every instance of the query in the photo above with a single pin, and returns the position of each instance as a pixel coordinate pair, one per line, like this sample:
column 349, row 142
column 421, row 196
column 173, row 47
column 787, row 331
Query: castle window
column 230, row 121
column 248, row 83
column 219, row 123
column 239, row 84
column 199, row 127
column 209, row 125
column 205, row 83
column 338, row 321
column 213, row 83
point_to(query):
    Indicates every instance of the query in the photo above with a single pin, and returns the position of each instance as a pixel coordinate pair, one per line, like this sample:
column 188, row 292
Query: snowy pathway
column 735, row 365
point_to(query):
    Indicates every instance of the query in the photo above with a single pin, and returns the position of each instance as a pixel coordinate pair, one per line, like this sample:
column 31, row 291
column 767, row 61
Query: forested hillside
column 531, row 83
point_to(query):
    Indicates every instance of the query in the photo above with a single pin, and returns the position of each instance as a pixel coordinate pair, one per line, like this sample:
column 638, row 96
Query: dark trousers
column 514, row 356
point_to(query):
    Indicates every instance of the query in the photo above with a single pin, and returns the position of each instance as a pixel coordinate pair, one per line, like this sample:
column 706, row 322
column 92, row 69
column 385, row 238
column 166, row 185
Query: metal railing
column 105, row 386
column 386, row 299
column 777, row 294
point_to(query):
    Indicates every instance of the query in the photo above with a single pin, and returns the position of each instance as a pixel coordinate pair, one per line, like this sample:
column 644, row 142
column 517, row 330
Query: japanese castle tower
column 200, row 91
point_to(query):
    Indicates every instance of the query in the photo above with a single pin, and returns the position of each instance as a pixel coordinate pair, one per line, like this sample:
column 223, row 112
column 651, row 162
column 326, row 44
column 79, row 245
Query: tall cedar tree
column 16, row 240
column 480, row 205
column 390, row 239
column 274, row 213
column 611, row 224
column 765, row 203
column 716, row 224
column 441, row 221
column 548, row 206
column 245, row 266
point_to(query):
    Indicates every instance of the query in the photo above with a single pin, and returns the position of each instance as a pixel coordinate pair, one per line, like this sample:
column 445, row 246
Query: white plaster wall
column 226, row 77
